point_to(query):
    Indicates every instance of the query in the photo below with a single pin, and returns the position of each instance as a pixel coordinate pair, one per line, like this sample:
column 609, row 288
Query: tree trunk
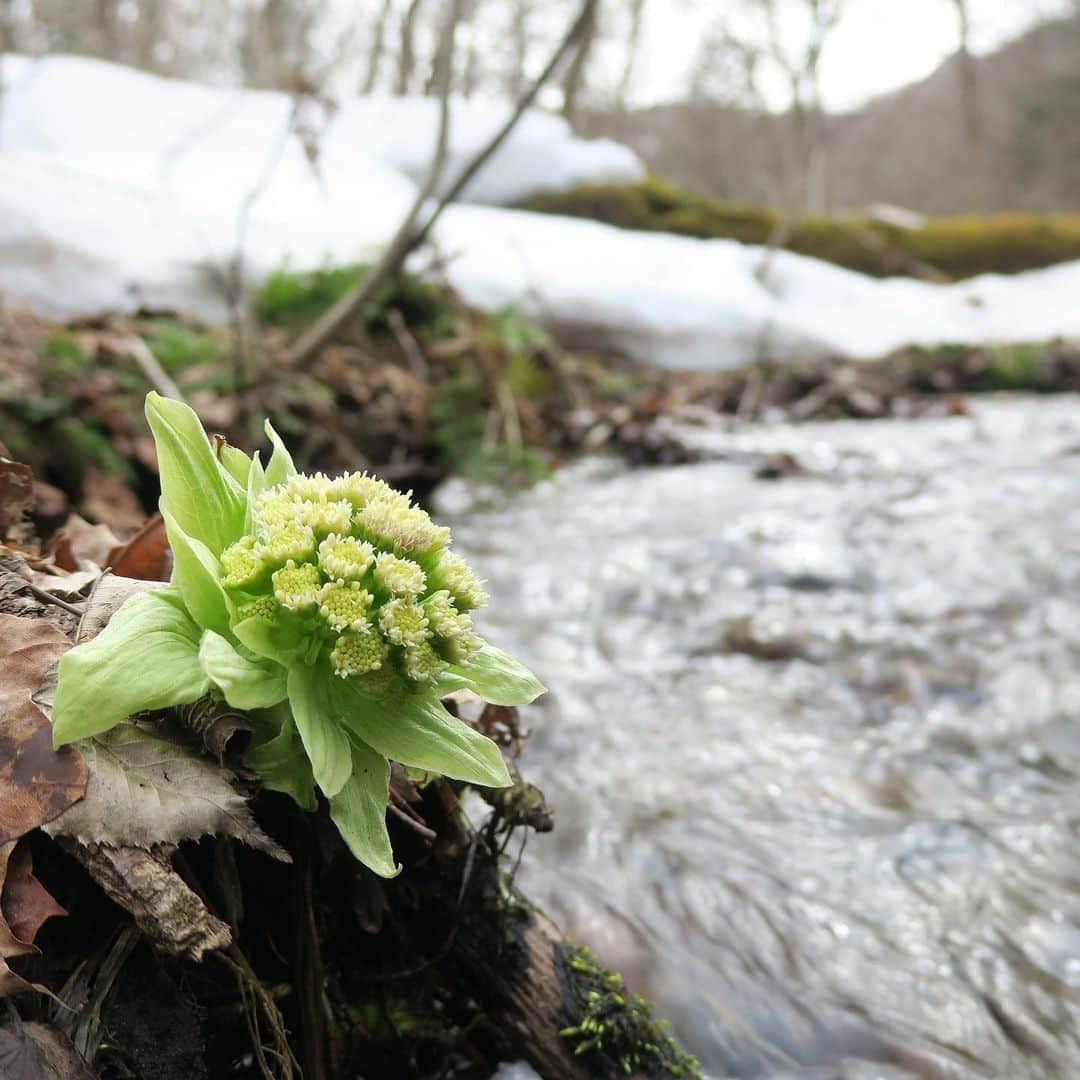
column 407, row 48
column 378, row 48
column 574, row 80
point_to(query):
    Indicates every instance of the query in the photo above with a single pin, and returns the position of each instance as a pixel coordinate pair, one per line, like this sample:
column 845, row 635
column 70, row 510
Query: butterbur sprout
column 329, row 608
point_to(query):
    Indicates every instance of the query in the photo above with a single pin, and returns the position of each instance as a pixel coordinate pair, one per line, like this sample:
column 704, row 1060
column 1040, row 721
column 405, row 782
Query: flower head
column 344, row 604
column 297, row 587
column 345, row 558
column 358, row 652
column 399, row 577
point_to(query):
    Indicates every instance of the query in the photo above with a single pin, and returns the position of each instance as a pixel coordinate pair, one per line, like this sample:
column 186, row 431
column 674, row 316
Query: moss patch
column 616, row 1030
column 952, row 247
column 294, row 300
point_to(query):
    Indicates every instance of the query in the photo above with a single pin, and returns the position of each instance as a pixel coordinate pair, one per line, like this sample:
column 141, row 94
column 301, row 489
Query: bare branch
column 411, row 235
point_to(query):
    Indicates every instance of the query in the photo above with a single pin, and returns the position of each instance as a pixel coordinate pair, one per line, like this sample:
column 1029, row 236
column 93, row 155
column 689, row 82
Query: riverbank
column 422, row 387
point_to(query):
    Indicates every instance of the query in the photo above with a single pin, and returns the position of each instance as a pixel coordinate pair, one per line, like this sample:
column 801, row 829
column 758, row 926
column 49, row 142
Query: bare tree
column 574, row 79
column 378, row 47
column 969, row 88
column 633, row 50
column 407, row 47
column 418, row 222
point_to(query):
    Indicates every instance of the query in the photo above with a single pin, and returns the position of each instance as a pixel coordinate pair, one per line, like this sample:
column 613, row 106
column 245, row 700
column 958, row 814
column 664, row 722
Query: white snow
column 120, row 190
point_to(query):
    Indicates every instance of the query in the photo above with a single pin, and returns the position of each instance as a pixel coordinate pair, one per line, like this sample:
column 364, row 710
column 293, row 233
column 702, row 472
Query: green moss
column 178, row 346
column 954, row 247
column 293, row 300
column 615, row 1029
column 459, row 418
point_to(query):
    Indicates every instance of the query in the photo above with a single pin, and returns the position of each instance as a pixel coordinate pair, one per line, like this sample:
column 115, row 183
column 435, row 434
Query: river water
column 812, row 743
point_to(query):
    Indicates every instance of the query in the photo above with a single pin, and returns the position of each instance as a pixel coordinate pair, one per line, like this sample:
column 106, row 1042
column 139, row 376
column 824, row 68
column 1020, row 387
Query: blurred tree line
column 983, row 133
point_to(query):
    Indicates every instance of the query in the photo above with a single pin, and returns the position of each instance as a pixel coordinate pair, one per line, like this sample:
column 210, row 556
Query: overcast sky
column 879, row 45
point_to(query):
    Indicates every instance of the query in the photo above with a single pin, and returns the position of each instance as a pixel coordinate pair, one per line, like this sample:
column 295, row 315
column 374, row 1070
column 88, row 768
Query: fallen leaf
column 10, row 945
column 20, row 1056
column 77, row 543
column 146, row 556
column 16, row 494
column 62, row 1062
column 36, row 782
column 146, row 787
column 24, row 902
column 108, row 500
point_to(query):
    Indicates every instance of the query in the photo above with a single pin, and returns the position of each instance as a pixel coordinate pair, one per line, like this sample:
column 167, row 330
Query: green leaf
column 197, row 575
column 235, row 462
column 280, row 467
column 277, row 755
column 319, row 720
column 207, row 503
column 246, row 684
column 282, row 640
column 499, row 678
column 415, row 730
column 147, row 657
column 256, row 484
column 359, row 810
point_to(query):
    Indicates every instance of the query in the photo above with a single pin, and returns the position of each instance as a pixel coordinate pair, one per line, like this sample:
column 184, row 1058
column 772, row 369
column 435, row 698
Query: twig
column 155, row 373
column 237, row 295
column 409, row 235
column 417, row 364
column 48, row 598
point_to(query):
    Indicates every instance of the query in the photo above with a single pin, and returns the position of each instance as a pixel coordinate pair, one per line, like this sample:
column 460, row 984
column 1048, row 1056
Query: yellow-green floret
column 444, row 619
column 358, row 652
column 399, row 577
column 297, row 586
column 288, row 542
column 326, row 518
column 422, row 663
column 403, row 622
column 243, row 566
column 344, row 604
column 344, row 558
column 454, row 574
column 405, row 529
column 264, row 607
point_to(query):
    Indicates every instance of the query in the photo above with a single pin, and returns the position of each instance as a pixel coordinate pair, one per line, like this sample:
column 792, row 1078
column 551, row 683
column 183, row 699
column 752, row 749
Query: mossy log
column 939, row 248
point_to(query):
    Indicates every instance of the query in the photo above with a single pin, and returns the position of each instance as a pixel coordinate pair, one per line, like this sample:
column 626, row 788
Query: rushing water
column 812, row 743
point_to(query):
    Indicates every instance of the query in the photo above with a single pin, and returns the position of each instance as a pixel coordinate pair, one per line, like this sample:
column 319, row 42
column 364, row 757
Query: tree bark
column 378, row 48
column 574, row 80
column 407, row 48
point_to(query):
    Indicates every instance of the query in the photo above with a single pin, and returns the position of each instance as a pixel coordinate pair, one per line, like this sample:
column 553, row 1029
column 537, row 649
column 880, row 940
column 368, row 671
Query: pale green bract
column 329, row 608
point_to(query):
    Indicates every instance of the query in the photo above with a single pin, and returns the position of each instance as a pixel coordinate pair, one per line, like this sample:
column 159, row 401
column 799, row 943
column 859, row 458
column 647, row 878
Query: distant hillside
column 913, row 147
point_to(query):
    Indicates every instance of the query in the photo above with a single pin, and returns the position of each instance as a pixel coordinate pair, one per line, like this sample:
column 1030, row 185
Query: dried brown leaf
column 24, row 902
column 16, row 494
column 36, row 782
column 78, row 543
column 108, row 500
column 10, row 945
column 146, row 556
column 20, row 1056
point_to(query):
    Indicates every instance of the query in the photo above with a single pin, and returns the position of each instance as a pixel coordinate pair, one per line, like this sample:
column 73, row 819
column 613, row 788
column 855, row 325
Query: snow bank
column 120, row 190
column 123, row 124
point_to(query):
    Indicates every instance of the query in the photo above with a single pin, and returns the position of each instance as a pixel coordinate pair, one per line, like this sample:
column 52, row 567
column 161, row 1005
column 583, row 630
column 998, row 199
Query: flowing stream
column 812, row 743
